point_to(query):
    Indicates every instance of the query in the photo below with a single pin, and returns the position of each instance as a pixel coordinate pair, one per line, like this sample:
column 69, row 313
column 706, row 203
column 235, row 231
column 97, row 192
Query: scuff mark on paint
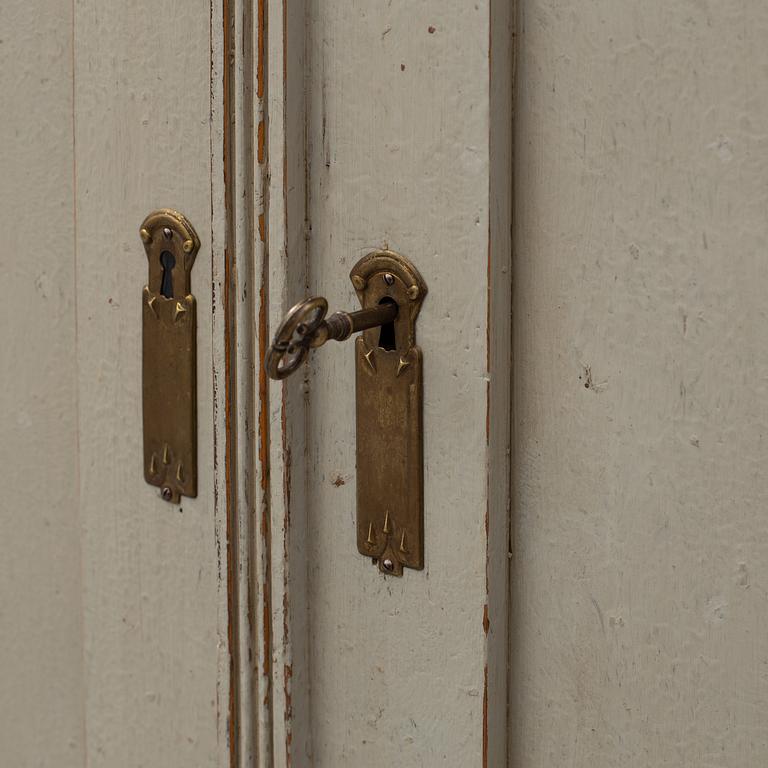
column 723, row 148
column 599, row 612
column 589, row 381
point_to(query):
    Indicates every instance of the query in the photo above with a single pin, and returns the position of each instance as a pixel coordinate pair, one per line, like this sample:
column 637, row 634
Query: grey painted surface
column 403, row 154
column 641, row 473
column 111, row 601
column 153, row 576
column 41, row 667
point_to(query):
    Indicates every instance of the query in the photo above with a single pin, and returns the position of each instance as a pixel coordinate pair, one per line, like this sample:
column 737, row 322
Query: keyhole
column 168, row 262
column 387, row 338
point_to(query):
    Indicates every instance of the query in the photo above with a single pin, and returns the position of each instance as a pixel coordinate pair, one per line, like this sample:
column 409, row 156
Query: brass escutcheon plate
column 169, row 355
column 390, row 484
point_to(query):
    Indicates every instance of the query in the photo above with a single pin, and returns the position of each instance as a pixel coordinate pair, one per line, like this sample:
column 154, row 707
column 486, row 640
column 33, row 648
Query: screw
column 389, row 279
column 167, row 234
column 166, row 493
column 388, row 565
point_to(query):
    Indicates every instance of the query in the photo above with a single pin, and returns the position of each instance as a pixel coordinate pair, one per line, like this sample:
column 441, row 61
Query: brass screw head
column 413, row 292
column 145, row 235
column 358, row 282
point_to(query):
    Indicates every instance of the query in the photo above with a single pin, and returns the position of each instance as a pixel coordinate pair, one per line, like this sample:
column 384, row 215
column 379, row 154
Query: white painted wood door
column 397, row 118
column 114, row 607
column 242, row 628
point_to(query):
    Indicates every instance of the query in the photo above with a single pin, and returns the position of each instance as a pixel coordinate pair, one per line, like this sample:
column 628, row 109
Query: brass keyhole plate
column 169, row 355
column 389, row 368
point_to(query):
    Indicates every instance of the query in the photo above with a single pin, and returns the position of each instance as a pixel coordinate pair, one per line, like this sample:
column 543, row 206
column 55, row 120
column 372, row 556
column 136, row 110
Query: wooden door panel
column 409, row 145
column 640, row 274
column 112, row 598
column 151, row 580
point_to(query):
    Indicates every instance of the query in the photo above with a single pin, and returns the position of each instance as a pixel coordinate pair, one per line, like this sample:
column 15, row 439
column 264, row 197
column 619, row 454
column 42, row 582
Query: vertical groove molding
column 236, row 287
column 286, row 278
column 220, row 39
column 500, row 71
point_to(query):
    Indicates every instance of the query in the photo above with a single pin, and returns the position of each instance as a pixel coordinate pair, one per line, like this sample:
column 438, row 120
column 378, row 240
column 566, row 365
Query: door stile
column 288, row 402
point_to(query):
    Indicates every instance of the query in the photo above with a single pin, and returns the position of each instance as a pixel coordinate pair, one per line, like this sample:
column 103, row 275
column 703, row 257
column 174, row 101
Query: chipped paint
column 229, row 386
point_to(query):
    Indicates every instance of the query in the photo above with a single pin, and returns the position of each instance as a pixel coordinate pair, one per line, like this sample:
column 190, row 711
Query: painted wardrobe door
column 409, row 146
column 641, row 534
column 154, row 589
column 115, row 606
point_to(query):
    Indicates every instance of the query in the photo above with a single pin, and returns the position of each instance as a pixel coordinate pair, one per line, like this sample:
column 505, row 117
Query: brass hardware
column 305, row 328
column 390, row 517
column 169, row 355
column 390, row 523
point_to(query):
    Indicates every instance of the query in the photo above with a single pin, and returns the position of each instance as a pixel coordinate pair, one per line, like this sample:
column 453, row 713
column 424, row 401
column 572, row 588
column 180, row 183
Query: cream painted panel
column 41, row 671
column 399, row 157
column 641, row 510
column 153, row 587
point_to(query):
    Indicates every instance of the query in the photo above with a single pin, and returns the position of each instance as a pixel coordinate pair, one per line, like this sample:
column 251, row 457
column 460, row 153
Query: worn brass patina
column 169, row 355
column 305, row 328
column 390, row 519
